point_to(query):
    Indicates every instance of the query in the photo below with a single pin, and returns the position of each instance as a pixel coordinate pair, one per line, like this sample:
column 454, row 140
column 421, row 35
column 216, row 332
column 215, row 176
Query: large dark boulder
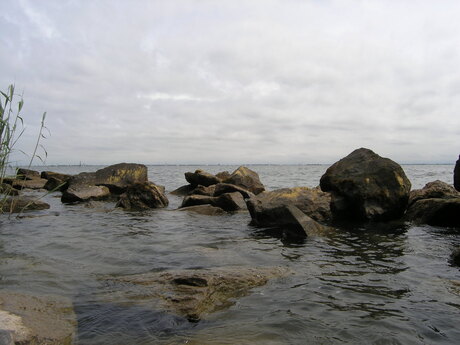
column 366, row 187
column 265, row 208
column 201, row 177
column 457, row 174
column 246, row 178
column 142, row 196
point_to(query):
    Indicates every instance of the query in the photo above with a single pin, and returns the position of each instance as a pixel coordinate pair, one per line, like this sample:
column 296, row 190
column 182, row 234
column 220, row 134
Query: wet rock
column 266, row 207
column 16, row 204
column 194, row 200
column 435, row 211
column 36, row 183
column 202, row 190
column 53, row 184
column 51, row 174
column 34, row 320
column 6, row 337
column 299, row 224
column 457, row 174
column 206, row 210
column 201, row 177
column 183, row 190
column 223, row 175
column 79, row 193
column 222, row 188
column 455, row 257
column 367, row 187
column 192, row 293
column 27, row 174
column 229, row 201
column 435, row 189
column 142, row 196
column 119, row 176
column 246, row 178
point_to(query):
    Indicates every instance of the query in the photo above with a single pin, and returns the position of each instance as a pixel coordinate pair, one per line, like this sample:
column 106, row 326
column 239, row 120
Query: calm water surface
column 360, row 286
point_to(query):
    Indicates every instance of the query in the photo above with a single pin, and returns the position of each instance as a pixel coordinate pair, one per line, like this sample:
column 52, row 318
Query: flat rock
column 81, row 193
column 49, row 174
column 37, row 320
column 191, row 293
column 27, row 174
column 435, row 189
column 36, row 183
column 229, row 201
column 435, row 211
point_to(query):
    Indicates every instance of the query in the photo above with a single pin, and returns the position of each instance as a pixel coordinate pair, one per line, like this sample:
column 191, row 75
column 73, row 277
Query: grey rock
column 247, row 179
column 142, row 196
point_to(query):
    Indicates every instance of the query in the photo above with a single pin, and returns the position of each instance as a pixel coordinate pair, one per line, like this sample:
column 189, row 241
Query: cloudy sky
column 260, row 81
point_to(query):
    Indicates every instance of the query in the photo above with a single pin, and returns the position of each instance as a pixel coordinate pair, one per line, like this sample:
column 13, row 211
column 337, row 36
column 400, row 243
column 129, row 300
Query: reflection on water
column 377, row 284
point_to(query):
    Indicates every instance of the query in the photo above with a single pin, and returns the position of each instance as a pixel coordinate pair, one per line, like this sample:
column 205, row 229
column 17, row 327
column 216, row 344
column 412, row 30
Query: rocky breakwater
column 212, row 194
column 190, row 293
column 437, row 203
column 36, row 320
column 366, row 187
column 126, row 183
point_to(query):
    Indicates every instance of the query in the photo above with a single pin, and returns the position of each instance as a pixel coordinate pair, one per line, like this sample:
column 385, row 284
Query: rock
column 435, row 189
column 142, row 196
column 53, row 184
column 223, row 175
column 16, row 204
column 33, row 320
column 6, row 337
column 84, row 179
column 182, row 191
column 435, row 211
column 299, row 224
column 229, row 201
column 222, row 188
column 206, row 210
column 202, row 190
column 192, row 293
column 36, row 183
column 49, row 174
column 194, row 200
column 457, row 174
column 7, row 189
column 79, row 193
column 201, row 177
column 27, row 174
column 311, row 201
column 367, row 187
column 246, row 178
column 119, row 176
column 455, row 256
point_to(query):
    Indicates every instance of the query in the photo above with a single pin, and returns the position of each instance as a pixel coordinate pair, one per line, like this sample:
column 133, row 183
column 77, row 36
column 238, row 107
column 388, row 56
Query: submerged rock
column 267, row 207
column 367, row 187
column 246, row 178
column 16, row 204
column 207, row 210
column 142, row 196
column 34, row 320
column 192, row 293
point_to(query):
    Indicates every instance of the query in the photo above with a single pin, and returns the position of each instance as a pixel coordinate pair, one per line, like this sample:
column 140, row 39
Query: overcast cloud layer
column 235, row 81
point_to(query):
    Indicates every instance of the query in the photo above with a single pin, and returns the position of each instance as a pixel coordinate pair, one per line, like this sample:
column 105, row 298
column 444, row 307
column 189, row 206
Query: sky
column 234, row 82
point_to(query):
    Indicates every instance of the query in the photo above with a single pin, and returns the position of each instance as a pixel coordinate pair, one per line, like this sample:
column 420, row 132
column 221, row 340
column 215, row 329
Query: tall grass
column 11, row 130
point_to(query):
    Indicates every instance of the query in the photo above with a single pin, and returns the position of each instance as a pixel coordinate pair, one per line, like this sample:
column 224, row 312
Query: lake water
column 353, row 287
